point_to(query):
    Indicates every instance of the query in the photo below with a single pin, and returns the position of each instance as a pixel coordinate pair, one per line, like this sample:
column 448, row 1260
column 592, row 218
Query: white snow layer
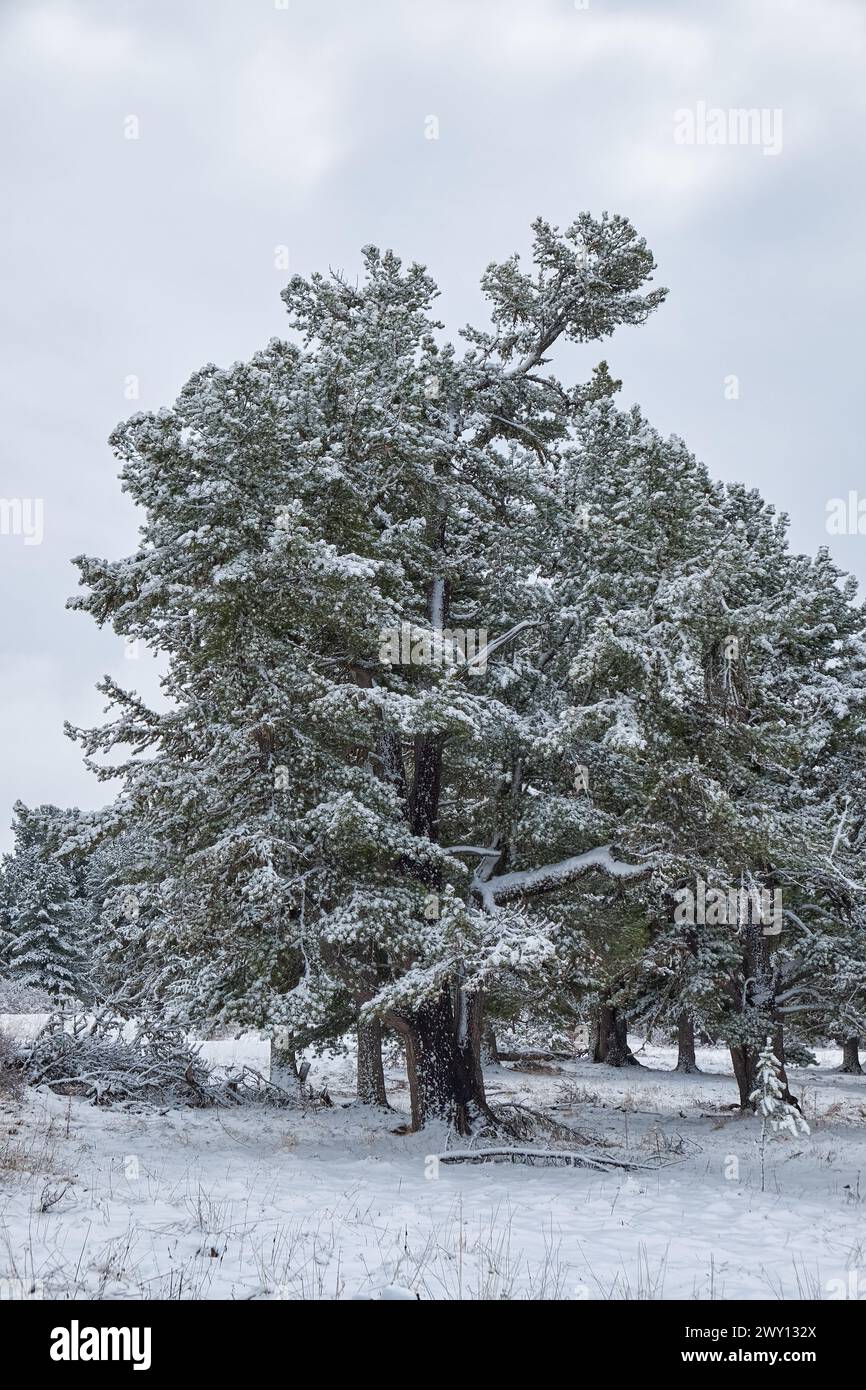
column 258, row 1203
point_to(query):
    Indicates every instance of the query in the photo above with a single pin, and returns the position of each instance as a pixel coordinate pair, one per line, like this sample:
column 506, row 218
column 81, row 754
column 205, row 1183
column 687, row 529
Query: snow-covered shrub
column 797, row 1053
column 18, row 998
column 97, row 1058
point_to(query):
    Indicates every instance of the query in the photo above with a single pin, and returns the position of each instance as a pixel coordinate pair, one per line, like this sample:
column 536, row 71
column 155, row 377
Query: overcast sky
column 306, row 124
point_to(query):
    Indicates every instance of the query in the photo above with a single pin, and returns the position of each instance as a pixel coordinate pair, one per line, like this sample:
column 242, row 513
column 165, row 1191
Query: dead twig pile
column 98, row 1059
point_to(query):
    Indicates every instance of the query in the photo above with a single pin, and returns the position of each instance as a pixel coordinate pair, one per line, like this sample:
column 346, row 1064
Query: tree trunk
column 611, row 1043
column 285, row 1057
column 371, row 1074
column 469, row 1023
column 442, row 1063
column 745, row 1060
column 489, row 1047
column 851, row 1056
column 686, row 1061
column 779, row 1049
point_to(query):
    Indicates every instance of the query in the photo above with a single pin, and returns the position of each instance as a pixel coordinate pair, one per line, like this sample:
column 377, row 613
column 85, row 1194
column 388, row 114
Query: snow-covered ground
column 261, row 1203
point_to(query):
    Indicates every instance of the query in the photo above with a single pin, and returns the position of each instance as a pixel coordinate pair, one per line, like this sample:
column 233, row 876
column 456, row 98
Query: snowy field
column 264, row 1204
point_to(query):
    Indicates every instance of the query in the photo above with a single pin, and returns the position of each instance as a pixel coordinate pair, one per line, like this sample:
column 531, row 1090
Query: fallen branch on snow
column 539, row 1056
column 538, row 1158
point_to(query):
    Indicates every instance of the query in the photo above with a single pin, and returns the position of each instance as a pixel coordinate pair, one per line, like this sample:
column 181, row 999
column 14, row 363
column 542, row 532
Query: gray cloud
column 305, row 127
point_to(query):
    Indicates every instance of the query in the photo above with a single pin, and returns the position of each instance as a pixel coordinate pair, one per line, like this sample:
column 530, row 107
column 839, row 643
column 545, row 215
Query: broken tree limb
column 537, row 1158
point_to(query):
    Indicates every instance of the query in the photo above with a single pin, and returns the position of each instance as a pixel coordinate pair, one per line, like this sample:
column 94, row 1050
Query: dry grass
column 11, row 1073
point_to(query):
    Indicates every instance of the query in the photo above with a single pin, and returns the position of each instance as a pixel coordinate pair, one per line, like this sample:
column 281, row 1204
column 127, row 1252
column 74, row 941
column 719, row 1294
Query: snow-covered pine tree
column 718, row 710
column 804, row 663
column 315, row 796
column 43, row 919
column 646, row 517
column 121, row 898
column 660, row 673
column 768, row 1097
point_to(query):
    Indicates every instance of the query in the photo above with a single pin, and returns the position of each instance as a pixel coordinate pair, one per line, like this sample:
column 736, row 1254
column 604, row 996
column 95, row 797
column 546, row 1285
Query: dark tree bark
column 469, row 1023
column 745, row 1061
column 686, row 1061
column 611, row 1041
column 779, row 1049
column 426, row 786
column 851, row 1056
column 371, row 1073
column 442, row 1063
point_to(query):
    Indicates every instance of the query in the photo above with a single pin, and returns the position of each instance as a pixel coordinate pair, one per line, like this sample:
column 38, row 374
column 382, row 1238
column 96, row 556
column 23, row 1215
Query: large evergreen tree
column 302, row 790
column 352, row 813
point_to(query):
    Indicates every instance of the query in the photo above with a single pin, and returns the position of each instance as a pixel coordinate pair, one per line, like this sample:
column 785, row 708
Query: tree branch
column 546, row 878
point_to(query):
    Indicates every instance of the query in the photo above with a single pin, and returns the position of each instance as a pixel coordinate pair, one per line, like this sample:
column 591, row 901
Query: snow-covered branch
column 481, row 657
column 546, row 878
